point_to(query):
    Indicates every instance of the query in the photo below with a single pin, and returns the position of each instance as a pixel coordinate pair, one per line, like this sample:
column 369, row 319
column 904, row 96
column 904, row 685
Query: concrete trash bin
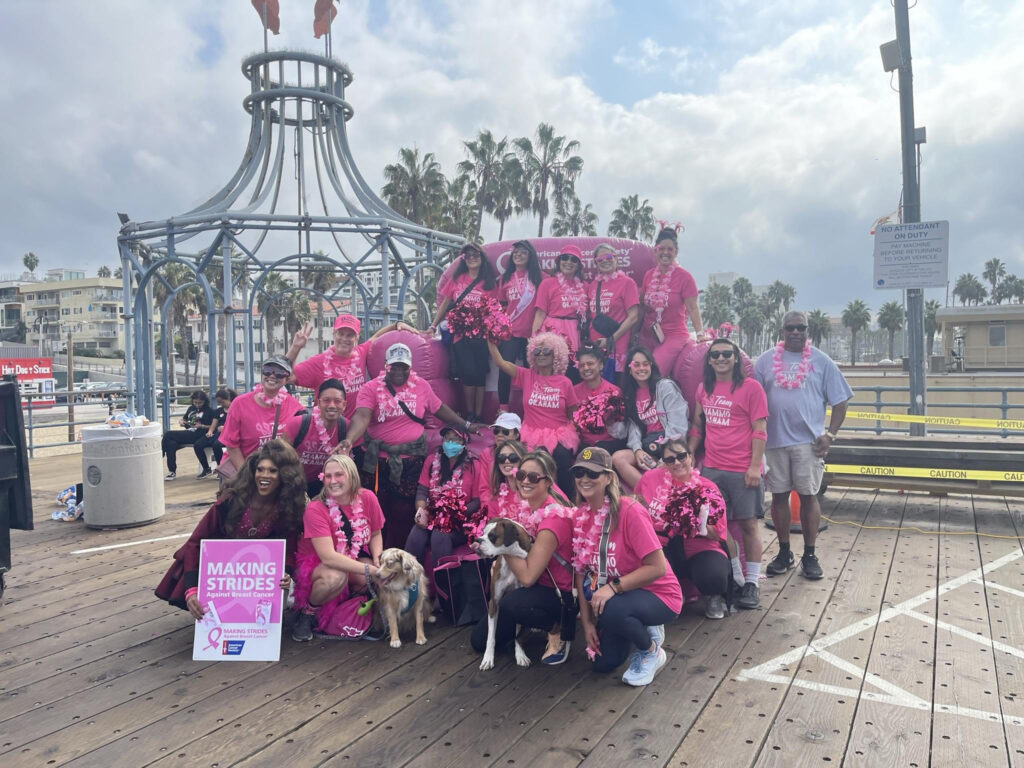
column 122, row 472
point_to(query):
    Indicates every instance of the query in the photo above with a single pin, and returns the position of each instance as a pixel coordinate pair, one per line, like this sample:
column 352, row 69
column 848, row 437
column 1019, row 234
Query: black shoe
column 810, row 568
column 204, row 473
column 750, row 596
column 782, row 563
column 302, row 630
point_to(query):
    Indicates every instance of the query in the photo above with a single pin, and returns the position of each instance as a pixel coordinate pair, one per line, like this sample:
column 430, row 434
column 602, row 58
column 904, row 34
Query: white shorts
column 793, row 468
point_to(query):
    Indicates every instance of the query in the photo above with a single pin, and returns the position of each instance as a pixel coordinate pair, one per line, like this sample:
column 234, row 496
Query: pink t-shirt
column 681, row 286
column 583, row 393
column 557, row 303
column 454, row 288
column 630, row 542
column 313, row 451
column 654, row 488
column 509, row 293
column 545, row 398
column 388, row 421
column 729, row 423
column 249, row 424
column 618, row 296
column 317, row 523
column 561, row 527
column 350, row 371
column 647, row 409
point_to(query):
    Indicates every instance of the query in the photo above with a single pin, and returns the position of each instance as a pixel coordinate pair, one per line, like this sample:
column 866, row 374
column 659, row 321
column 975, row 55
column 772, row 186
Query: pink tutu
column 548, row 437
column 305, row 564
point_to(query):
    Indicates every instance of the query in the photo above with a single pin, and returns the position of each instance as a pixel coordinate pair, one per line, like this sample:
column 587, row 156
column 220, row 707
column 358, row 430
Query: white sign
column 912, row 255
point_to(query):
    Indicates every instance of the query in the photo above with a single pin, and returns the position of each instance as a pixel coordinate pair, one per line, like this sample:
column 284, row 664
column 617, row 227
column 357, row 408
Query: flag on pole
column 889, row 218
column 270, row 14
column 323, row 14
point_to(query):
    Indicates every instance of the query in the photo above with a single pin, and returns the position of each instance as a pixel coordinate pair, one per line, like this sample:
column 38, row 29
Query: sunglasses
column 580, row 472
column 725, row 353
column 541, row 351
column 531, row 477
column 680, row 457
column 569, row 257
column 502, row 432
column 797, row 328
column 276, row 373
column 507, row 458
column 604, row 256
column 471, row 254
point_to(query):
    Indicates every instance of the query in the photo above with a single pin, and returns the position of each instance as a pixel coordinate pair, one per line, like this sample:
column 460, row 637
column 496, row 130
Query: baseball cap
column 398, row 353
column 595, row 459
column 508, row 420
column 280, row 361
column 572, row 250
column 347, row 321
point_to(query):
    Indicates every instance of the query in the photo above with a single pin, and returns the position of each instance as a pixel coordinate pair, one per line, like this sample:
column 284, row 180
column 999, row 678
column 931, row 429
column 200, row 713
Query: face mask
column 451, row 448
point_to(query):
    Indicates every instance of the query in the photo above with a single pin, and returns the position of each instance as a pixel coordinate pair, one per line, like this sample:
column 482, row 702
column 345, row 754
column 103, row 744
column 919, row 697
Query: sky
column 769, row 129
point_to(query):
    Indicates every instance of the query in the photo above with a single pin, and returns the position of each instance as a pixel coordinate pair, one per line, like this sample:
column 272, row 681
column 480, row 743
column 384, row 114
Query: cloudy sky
column 768, row 128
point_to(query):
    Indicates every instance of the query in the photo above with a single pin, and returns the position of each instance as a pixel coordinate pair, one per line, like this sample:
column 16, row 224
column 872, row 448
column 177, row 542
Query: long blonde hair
column 613, row 492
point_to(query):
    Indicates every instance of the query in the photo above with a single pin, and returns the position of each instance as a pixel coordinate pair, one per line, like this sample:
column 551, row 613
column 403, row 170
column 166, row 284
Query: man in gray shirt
column 799, row 381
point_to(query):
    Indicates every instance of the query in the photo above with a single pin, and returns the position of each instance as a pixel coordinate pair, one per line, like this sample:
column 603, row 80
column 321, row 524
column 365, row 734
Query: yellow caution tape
column 941, row 421
column 932, row 474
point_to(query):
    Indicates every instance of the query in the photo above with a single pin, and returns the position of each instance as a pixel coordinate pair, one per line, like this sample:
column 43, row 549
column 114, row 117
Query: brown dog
column 402, row 597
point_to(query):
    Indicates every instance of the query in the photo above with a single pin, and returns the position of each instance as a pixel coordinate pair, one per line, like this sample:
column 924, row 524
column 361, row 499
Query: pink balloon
column 689, row 370
column 429, row 357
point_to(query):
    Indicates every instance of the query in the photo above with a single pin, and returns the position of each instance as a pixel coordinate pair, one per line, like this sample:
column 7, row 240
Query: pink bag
column 351, row 618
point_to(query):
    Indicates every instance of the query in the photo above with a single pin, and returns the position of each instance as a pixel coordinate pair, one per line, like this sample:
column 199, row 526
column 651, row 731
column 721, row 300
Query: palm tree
column 632, row 219
column 994, row 271
column 103, row 272
column 1012, row 287
column 31, row 261
column 321, row 278
column 176, row 275
column 741, row 291
column 931, row 323
column 550, row 167
column 751, row 323
column 511, row 194
column 486, row 158
column 271, row 305
column 818, row 327
column 118, row 273
column 856, row 317
column 574, row 219
column 415, row 186
column 716, row 305
column 890, row 318
column 970, row 289
column 239, row 280
column 458, row 207
column 782, row 294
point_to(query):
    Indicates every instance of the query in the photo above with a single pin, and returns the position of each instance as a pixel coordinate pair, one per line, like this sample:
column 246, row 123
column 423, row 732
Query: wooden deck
column 909, row 653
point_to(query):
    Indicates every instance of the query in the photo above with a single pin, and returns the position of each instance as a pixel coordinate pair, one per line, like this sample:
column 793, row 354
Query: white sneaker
column 645, row 666
column 170, row 476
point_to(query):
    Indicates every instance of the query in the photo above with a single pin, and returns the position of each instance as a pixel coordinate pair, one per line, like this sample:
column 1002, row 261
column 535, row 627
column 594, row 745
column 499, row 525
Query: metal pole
column 70, row 358
column 911, row 214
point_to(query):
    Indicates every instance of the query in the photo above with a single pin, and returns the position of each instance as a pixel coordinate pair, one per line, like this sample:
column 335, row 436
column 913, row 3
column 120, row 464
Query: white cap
column 508, row 420
column 398, row 353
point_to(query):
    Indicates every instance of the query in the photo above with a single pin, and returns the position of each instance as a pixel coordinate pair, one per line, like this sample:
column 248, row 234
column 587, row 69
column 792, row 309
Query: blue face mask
column 451, row 448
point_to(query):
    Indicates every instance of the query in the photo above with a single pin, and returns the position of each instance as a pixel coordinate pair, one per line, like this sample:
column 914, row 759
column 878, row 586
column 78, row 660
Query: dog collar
column 413, row 592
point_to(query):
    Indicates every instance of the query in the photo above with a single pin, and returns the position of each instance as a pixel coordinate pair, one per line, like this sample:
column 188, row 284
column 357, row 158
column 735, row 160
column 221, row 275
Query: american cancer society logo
column 232, row 647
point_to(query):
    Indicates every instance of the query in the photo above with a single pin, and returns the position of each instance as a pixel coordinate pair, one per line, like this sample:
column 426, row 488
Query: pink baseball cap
column 571, row 250
column 347, row 321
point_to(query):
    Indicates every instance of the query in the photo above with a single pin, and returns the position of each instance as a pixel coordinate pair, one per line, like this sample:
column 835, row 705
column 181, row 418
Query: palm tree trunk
column 183, row 331
column 202, row 336
column 892, row 337
column 853, row 347
column 501, row 230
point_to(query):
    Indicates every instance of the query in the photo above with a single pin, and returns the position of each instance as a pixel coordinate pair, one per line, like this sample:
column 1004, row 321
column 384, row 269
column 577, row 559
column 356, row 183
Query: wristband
column 694, row 432
column 831, row 434
column 760, row 434
column 190, row 592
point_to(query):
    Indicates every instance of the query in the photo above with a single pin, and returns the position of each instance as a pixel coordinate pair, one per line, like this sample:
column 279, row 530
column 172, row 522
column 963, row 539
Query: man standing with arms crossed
column 799, row 381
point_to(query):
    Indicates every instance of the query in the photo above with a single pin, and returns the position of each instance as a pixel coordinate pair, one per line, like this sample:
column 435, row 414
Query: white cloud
column 652, row 57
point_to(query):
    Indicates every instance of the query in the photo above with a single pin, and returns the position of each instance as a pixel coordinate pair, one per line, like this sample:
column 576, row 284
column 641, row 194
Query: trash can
column 122, row 472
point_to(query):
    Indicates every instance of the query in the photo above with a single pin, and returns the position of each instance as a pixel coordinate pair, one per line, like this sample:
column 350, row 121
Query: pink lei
column 802, row 369
column 352, row 370
column 531, row 519
column 360, row 527
column 278, row 399
column 573, row 295
column 657, row 294
column 586, row 537
column 384, row 398
column 318, row 425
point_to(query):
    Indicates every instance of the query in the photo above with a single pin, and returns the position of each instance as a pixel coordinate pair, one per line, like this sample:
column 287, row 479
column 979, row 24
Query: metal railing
column 935, row 408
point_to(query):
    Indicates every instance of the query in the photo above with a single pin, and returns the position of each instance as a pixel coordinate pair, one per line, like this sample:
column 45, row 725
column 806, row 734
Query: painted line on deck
column 129, row 544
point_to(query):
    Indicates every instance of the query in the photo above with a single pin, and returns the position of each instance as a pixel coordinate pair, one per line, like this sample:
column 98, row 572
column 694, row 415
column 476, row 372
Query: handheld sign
column 239, row 587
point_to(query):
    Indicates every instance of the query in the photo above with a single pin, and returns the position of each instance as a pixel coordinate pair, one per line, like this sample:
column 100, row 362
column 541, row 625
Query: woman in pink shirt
column 593, row 387
column 627, row 594
column 548, row 399
column 340, row 549
column 517, row 291
column 562, row 300
column 669, row 294
column 702, row 559
column 472, row 283
column 612, row 322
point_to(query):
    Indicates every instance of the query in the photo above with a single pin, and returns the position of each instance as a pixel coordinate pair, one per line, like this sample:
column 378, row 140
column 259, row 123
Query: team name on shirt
column 647, row 412
column 606, row 302
column 718, row 410
column 611, row 561
column 392, row 409
column 545, row 396
column 789, row 370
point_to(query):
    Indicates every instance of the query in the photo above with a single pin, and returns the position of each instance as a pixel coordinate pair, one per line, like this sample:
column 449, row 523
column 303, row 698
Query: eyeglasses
column 580, row 472
column 725, row 353
column 541, row 351
column 680, row 457
column 502, row 432
column 568, row 257
column 531, row 477
column 276, row 373
column 471, row 254
column 507, row 458
column 797, row 328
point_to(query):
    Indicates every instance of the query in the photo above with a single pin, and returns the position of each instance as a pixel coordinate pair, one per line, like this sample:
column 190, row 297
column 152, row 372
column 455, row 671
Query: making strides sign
column 238, row 587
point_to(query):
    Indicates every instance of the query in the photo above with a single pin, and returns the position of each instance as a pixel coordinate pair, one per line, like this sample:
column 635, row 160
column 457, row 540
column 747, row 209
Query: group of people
column 598, row 496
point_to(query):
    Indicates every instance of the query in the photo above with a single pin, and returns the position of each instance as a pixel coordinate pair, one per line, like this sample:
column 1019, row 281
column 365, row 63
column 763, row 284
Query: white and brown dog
column 402, row 597
column 502, row 536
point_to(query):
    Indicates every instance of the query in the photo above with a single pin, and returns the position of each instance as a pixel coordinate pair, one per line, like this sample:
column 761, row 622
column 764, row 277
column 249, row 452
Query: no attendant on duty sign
column 912, row 255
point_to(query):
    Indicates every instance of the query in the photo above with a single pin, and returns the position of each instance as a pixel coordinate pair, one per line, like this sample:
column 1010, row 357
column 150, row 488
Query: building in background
column 89, row 308
column 987, row 337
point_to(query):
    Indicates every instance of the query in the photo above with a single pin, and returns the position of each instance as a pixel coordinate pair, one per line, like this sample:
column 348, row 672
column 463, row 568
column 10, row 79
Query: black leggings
column 537, row 607
column 175, row 439
column 564, row 459
column 622, row 626
column 708, row 570
column 441, row 544
column 205, row 442
column 514, row 351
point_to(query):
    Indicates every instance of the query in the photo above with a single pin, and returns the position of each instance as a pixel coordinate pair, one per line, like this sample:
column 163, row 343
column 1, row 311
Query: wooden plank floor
column 910, row 652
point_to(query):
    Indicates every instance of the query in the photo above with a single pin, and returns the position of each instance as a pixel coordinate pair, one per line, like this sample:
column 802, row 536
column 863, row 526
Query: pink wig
column 556, row 344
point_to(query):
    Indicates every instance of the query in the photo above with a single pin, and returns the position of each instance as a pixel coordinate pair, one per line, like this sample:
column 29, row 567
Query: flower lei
column 446, row 502
column 573, row 295
column 657, row 294
column 360, row 527
column 690, row 508
column 598, row 411
column 586, row 537
column 321, row 430
column 485, row 320
column 278, row 399
column 384, row 397
column 802, row 368
column 351, row 373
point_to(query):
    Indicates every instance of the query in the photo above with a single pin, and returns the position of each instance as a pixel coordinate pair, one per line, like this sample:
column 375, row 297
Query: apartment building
column 89, row 308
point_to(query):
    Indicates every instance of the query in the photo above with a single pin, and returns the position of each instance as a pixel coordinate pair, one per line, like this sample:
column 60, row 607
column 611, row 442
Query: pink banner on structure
column 239, row 588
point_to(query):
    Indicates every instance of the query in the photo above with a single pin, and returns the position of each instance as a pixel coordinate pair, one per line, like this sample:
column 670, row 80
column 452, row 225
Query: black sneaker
column 302, row 630
column 204, row 473
column 750, row 596
column 170, row 476
column 810, row 568
column 782, row 563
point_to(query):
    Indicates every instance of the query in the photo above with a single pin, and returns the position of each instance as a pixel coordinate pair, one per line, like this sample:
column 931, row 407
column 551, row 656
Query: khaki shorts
column 793, row 468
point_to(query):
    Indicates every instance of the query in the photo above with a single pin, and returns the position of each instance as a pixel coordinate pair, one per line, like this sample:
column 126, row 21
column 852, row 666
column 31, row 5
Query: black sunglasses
column 502, row 432
column 533, row 477
column 726, row 353
column 569, row 257
column 680, row 457
column 580, row 472
column 541, row 352
column 797, row 328
column 277, row 373
column 507, row 458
